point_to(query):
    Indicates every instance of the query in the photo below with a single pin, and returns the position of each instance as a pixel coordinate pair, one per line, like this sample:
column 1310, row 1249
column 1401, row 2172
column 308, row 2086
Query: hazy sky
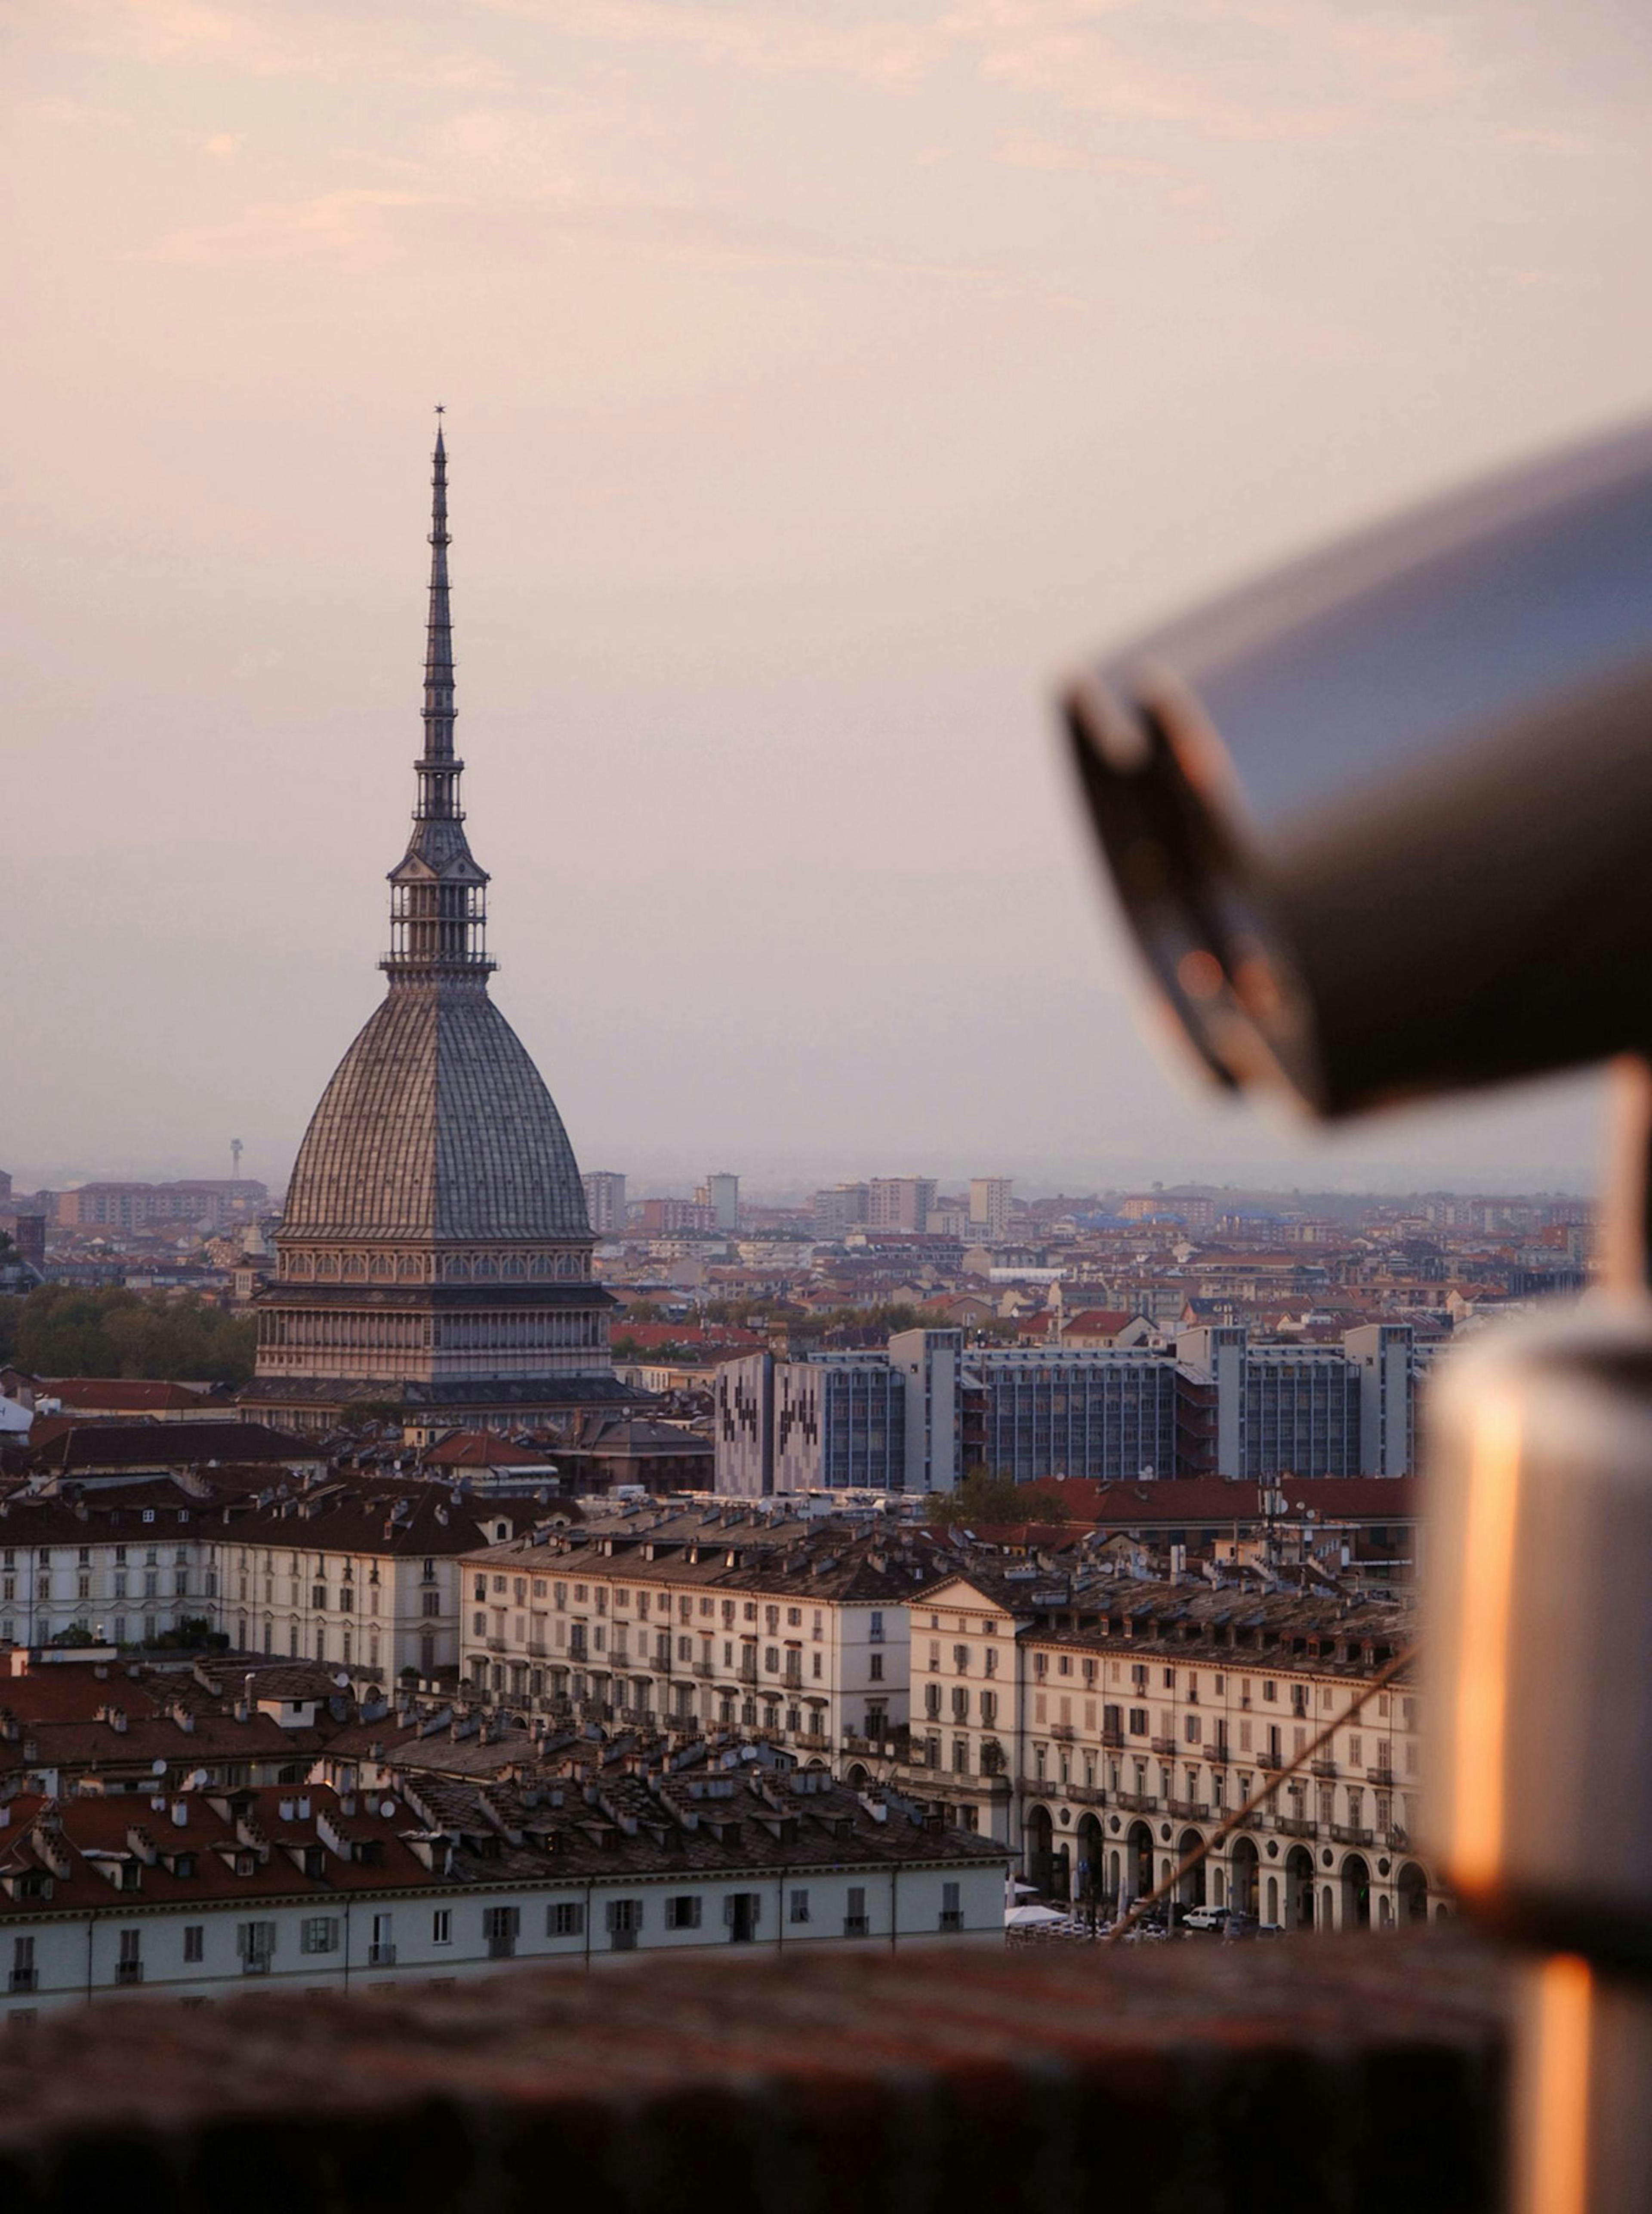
column 822, row 379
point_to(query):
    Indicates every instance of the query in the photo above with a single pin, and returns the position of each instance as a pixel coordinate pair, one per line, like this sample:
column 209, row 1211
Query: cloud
column 770, row 40
column 370, row 229
column 330, row 223
column 339, row 44
column 58, row 113
column 1026, row 150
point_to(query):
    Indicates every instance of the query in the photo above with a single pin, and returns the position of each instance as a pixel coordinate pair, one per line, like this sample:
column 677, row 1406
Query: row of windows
column 518, row 1587
column 457, row 1268
column 257, row 1942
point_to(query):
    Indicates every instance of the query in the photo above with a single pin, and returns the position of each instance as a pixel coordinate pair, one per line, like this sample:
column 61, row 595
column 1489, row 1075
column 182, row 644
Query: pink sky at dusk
column 823, row 380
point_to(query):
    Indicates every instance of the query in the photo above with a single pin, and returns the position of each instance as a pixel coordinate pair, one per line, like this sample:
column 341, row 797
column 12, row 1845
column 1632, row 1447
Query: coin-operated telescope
column 1382, row 827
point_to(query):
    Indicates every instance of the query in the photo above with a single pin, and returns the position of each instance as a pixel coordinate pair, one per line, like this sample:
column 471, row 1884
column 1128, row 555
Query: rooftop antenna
column 235, row 1158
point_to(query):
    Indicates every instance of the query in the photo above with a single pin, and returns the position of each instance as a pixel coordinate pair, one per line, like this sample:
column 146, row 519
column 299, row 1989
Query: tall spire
column 438, row 628
column 438, row 897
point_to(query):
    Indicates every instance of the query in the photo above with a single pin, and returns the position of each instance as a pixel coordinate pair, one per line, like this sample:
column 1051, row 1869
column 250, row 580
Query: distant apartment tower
column 668, row 1218
column 721, row 1195
column 605, row 1201
column 989, row 1205
column 899, row 1202
column 203, row 1202
column 842, row 1207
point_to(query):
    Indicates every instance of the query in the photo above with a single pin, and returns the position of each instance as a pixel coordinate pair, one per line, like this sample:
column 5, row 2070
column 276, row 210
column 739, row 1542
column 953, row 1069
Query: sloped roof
column 436, row 1125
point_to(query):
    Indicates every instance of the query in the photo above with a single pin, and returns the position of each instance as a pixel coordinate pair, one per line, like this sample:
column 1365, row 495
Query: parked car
column 1203, row 1919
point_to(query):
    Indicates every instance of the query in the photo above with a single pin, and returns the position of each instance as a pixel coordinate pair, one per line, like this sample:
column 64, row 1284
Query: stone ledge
column 1340, row 2074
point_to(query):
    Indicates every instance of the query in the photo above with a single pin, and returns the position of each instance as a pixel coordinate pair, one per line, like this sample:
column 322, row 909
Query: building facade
column 989, row 1208
column 808, row 1645
column 206, row 1895
column 1106, row 1415
column 605, row 1191
column 899, row 1202
column 721, row 1194
column 435, row 1254
column 362, row 1577
column 916, row 1416
column 1107, row 1739
column 877, row 1421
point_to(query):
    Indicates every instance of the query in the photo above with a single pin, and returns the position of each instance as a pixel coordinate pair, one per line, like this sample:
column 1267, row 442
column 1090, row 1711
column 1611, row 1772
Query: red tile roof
column 122, row 1395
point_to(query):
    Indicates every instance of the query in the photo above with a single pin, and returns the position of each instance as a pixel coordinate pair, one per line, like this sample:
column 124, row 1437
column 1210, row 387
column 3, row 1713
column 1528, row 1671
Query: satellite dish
column 158, row 1768
column 387, row 1809
column 342, row 1680
column 198, row 1779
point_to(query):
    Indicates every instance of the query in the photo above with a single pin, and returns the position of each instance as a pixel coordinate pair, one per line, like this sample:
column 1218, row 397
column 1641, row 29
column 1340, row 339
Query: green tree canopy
column 62, row 1330
column 986, row 1496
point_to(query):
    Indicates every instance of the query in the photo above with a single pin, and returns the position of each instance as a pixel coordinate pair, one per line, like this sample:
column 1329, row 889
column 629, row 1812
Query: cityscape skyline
column 778, row 547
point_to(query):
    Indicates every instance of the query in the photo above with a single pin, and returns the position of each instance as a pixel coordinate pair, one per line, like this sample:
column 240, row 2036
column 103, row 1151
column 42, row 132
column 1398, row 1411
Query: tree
column 986, row 1496
column 63, row 1330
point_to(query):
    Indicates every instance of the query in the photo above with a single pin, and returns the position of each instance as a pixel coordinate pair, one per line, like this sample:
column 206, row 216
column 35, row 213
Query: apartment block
column 989, row 1208
column 1107, row 1734
column 806, row 1643
column 605, row 1204
column 899, row 1202
column 205, row 1895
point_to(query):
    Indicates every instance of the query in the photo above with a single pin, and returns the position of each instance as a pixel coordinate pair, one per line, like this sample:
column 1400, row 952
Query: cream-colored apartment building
column 807, row 1642
column 1107, row 1737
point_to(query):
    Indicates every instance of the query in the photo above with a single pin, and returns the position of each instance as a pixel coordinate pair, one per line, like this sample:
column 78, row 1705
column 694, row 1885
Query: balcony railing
column 1269, row 1760
column 381, row 1956
column 1218, row 1751
column 1189, row 1810
column 1166, row 1748
column 256, row 1964
column 1296, row 1826
column 1326, row 1767
column 1139, row 1802
column 702, row 1668
column 129, row 1972
column 1064, row 1731
column 1112, row 1735
column 1345, row 1833
column 24, row 1979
